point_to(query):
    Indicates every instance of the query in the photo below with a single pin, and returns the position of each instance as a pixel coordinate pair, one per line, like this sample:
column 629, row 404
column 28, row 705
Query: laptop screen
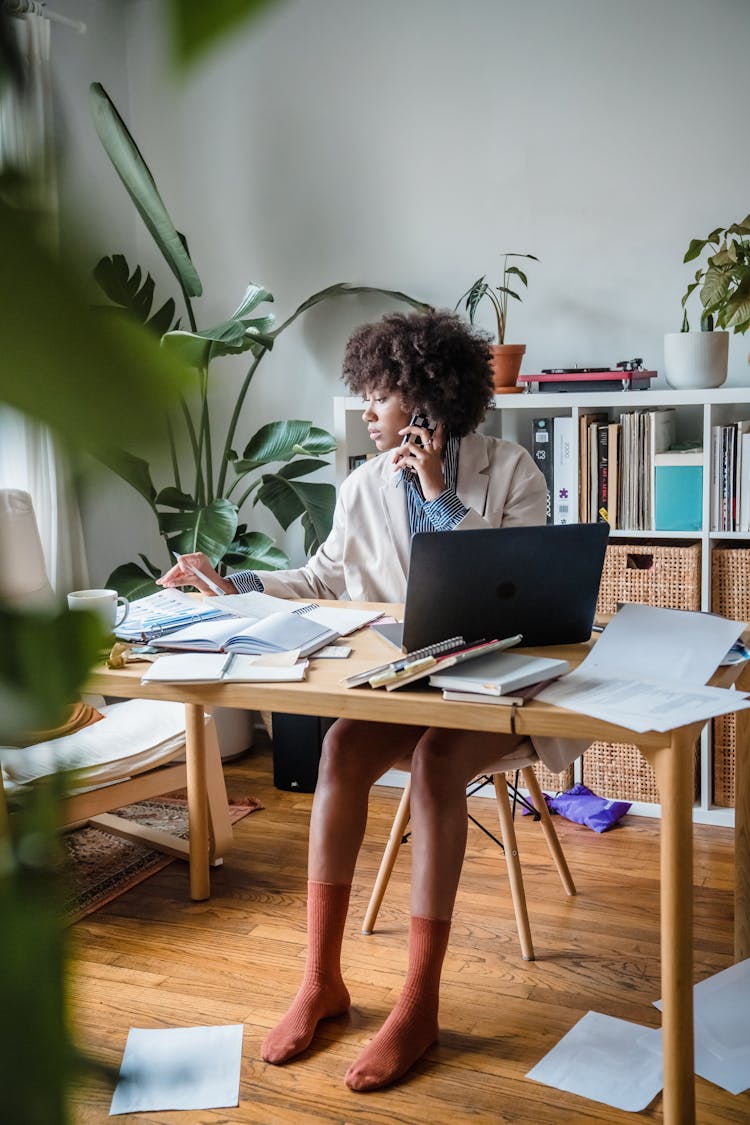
column 541, row 582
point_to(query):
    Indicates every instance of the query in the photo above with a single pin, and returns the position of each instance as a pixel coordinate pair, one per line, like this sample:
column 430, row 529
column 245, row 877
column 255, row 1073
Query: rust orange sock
column 412, row 1026
column 322, row 993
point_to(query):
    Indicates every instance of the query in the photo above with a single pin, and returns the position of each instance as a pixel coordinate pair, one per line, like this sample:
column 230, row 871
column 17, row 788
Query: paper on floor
column 608, row 1060
column 179, row 1068
column 722, row 1028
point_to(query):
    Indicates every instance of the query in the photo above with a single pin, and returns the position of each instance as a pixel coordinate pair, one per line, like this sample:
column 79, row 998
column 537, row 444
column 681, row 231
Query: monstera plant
column 201, row 510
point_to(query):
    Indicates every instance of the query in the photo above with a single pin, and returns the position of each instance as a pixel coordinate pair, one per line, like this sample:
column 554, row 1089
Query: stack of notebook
column 499, row 677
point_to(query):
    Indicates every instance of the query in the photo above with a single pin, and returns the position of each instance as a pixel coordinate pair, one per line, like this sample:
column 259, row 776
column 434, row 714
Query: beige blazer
column 366, row 555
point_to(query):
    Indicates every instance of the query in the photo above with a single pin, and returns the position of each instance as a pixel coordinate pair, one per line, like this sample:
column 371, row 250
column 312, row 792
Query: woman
column 441, row 476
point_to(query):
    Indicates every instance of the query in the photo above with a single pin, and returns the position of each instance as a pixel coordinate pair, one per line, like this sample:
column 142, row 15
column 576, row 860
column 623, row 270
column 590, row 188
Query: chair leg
column 398, row 828
column 219, row 824
column 515, row 878
column 548, row 828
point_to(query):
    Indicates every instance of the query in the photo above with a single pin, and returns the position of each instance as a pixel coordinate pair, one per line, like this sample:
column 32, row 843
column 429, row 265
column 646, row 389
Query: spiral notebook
column 278, row 632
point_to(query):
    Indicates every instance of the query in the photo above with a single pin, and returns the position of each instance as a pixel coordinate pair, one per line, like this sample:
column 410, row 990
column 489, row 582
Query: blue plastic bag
column 584, row 807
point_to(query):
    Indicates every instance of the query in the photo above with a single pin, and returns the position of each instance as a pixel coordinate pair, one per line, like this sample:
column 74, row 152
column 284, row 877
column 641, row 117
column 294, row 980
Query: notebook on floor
column 541, row 582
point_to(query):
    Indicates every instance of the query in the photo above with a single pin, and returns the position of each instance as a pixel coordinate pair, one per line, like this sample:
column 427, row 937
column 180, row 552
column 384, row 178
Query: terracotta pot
column 506, row 365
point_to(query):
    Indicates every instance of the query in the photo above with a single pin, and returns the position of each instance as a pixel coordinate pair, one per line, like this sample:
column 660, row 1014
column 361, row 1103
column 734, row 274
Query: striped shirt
column 441, row 514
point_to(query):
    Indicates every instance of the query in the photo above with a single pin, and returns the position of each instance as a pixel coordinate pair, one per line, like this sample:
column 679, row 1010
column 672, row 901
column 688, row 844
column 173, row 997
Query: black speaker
column 297, row 740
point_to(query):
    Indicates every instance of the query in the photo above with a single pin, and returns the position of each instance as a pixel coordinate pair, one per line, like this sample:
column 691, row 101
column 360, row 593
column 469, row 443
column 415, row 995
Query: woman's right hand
column 182, row 575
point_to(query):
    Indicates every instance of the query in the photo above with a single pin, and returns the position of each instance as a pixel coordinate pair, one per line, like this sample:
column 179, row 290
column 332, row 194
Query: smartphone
column 418, row 420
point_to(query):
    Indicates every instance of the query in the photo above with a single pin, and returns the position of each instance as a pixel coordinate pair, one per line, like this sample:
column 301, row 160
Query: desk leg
column 742, row 835
column 674, row 775
column 195, row 744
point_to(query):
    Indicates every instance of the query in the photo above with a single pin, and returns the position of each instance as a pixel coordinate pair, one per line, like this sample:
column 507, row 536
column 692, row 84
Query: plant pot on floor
column 506, row 366
column 696, row 360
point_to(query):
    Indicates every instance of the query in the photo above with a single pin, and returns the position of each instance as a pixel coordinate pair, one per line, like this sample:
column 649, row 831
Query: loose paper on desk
column 254, row 604
column 648, row 669
column 214, row 667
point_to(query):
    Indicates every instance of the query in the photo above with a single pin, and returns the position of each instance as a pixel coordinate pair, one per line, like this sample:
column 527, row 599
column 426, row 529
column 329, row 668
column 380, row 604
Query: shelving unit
column 696, row 413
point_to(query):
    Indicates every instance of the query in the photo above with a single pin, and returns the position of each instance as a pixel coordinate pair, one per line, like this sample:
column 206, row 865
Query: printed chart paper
column 722, row 1028
column 179, row 1068
column 607, row 1060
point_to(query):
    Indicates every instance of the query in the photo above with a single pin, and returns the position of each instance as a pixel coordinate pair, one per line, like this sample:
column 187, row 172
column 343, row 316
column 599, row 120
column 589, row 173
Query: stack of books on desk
column 499, row 677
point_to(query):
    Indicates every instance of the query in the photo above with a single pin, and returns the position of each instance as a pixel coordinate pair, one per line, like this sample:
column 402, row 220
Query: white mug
column 103, row 602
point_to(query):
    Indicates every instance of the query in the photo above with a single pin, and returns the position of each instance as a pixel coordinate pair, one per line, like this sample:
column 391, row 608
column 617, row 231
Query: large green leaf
column 343, row 289
column 92, row 379
column 210, row 529
column 173, row 498
column 132, row 581
column 126, row 292
column 289, row 498
column 281, row 441
column 141, row 187
column 318, row 442
column 737, row 312
column 132, row 469
column 715, row 288
column 197, row 25
column 252, row 550
column 231, row 337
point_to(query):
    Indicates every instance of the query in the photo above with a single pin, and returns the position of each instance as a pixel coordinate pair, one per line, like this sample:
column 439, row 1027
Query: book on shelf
column 564, row 506
column 585, row 420
column 731, row 477
column 218, row 667
column 500, row 673
column 278, row 632
column 613, row 459
column 541, row 448
column 164, row 612
column 678, row 484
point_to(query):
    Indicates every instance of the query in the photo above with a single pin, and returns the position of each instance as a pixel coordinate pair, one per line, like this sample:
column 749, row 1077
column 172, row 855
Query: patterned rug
column 102, row 866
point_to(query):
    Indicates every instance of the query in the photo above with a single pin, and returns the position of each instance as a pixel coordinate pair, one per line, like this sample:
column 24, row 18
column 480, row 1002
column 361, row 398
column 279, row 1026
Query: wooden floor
column 154, row 959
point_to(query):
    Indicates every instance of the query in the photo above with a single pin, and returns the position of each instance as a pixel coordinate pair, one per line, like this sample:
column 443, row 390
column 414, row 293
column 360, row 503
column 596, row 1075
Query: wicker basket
column 618, row 771
column 730, row 583
column 724, row 742
column 651, row 575
column 549, row 781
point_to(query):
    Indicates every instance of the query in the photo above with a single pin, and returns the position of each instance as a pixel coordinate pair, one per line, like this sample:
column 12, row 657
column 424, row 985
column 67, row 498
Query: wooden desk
column 670, row 754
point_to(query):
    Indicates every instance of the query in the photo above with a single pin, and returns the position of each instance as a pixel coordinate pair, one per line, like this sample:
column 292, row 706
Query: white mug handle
column 122, row 601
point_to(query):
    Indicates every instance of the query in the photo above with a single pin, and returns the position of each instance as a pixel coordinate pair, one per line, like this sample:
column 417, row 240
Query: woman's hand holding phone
column 421, row 451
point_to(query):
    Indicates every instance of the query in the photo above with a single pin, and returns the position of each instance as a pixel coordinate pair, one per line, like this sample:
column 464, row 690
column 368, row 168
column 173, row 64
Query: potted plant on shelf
column 506, row 358
column 699, row 359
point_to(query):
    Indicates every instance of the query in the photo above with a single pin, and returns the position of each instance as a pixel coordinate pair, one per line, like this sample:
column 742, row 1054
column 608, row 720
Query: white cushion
column 23, row 575
column 133, row 736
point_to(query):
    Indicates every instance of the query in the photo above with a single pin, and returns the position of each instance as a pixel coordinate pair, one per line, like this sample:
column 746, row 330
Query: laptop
column 541, row 582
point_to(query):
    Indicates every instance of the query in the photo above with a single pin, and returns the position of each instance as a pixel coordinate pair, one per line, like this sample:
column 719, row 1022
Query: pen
column 408, row 666
column 199, row 573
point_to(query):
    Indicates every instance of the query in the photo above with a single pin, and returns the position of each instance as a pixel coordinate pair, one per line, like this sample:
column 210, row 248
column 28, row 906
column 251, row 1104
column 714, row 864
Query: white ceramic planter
column 696, row 360
column 235, row 730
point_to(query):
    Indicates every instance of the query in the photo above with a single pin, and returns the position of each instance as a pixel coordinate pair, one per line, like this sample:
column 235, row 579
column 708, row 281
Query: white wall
column 406, row 143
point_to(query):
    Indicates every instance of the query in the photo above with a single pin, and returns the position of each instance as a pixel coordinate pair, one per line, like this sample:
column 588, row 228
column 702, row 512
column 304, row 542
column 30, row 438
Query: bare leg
column 443, row 763
column 354, row 755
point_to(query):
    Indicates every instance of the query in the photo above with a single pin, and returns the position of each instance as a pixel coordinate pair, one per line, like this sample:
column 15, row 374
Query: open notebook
column 261, row 623
column 279, row 632
column 209, row 667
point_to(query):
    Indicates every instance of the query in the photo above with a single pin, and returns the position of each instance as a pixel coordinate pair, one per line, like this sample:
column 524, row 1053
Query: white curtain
column 29, row 458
